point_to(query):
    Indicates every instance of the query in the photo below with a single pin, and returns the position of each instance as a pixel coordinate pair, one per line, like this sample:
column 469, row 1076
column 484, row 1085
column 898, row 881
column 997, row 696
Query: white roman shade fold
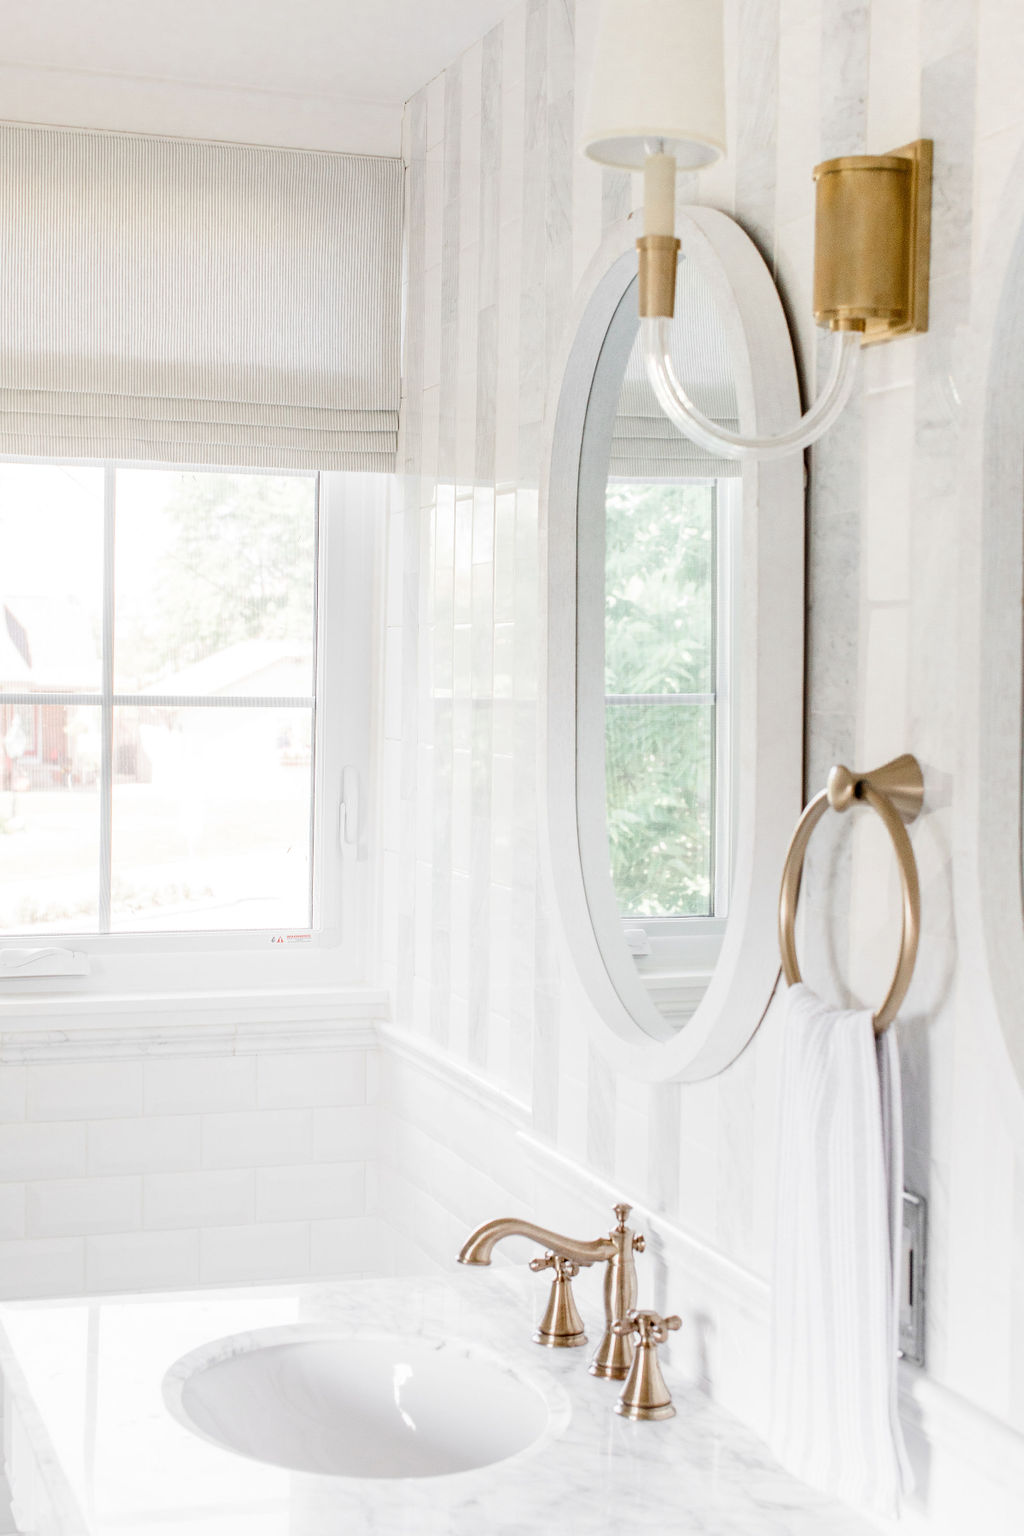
column 645, row 444
column 187, row 302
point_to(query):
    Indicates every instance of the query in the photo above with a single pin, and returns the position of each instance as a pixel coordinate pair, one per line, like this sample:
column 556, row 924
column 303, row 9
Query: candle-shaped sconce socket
column 660, row 195
column 658, row 246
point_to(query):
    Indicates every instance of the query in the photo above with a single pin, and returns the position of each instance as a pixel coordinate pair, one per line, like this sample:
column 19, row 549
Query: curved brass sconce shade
column 872, row 241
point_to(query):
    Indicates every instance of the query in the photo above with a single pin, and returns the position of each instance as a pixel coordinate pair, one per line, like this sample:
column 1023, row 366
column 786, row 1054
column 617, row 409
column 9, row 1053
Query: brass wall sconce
column 872, row 241
column 657, row 103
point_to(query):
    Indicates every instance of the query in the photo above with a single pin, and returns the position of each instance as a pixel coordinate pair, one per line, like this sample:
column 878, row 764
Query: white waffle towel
column 835, row 1422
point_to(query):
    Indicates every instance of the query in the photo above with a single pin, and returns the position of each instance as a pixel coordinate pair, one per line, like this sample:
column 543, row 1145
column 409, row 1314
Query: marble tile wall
column 503, row 217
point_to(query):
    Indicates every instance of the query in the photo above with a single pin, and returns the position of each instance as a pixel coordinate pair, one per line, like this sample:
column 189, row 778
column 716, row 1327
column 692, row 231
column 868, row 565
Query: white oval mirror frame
column 769, row 663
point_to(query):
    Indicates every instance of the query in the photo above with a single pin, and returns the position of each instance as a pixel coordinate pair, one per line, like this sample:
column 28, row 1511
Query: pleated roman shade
column 645, row 444
column 185, row 302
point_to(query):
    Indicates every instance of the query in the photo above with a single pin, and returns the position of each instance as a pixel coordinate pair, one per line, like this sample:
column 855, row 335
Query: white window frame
column 351, row 512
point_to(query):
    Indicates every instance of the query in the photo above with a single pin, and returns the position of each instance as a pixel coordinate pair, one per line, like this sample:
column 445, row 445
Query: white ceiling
column 268, row 71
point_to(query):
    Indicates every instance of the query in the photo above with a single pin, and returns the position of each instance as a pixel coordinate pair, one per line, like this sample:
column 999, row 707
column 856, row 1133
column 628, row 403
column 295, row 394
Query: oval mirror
column 675, row 659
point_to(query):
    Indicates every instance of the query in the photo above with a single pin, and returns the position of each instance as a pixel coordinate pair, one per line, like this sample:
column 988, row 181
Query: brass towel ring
column 895, row 791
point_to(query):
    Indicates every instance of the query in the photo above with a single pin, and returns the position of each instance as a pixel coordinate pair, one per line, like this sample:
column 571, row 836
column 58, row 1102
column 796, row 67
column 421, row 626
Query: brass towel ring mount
column 895, row 792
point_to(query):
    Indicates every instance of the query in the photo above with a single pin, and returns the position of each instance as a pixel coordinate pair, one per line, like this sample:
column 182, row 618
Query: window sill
column 104, row 1027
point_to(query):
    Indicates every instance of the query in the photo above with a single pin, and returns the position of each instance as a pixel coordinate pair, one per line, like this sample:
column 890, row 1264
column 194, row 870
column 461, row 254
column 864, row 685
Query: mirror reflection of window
column 671, row 510
column 660, row 674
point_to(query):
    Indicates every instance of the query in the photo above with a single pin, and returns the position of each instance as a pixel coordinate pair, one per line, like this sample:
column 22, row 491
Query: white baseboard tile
column 969, row 1466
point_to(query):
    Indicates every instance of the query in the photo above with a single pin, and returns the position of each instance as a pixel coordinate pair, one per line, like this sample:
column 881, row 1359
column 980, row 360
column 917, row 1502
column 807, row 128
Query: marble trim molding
column 52, row 1029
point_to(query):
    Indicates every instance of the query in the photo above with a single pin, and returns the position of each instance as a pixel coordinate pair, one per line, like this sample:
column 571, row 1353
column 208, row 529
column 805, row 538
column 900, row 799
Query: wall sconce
column 657, row 105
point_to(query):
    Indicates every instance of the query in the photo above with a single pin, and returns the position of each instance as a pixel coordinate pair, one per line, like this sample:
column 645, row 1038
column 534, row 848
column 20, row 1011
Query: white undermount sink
column 303, row 1398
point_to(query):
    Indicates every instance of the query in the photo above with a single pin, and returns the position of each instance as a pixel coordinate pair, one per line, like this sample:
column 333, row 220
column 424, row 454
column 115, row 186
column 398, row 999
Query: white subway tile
column 12, row 1210
column 41, row 1151
column 348, row 1135
column 46, row 1266
column 278, row 1251
column 154, row 1145
column 296, row 1080
column 317, row 1191
column 12, row 1092
column 373, row 1068
column 78, row 1090
column 142, row 1261
column 200, row 1084
column 206, row 1199
column 259, row 1138
column 360, row 1245
column 80, row 1207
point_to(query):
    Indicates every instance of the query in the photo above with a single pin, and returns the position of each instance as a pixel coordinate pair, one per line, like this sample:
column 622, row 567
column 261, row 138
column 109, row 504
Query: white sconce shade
column 658, row 75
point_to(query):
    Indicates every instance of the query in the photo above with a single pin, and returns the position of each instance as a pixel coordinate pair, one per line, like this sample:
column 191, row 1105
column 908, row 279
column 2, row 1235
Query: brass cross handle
column 567, row 1269
column 651, row 1326
column 561, row 1327
column 645, row 1395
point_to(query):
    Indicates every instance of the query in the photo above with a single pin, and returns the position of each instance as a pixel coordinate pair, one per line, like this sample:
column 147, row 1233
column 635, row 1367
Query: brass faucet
column 614, row 1354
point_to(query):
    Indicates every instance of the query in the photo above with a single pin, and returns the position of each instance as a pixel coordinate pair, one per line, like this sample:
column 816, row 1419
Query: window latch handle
column 348, row 820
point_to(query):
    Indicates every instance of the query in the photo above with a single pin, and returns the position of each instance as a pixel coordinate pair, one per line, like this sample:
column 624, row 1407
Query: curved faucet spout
column 480, row 1244
column 615, row 1353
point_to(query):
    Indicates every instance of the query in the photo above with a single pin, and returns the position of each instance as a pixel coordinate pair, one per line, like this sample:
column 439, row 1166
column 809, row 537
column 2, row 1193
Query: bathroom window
column 167, row 772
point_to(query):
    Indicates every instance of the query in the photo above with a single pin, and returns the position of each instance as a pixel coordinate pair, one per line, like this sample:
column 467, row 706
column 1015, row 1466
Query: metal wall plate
column 912, row 1278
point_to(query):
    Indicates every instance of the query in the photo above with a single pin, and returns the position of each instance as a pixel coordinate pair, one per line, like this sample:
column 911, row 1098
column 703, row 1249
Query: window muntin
column 157, row 700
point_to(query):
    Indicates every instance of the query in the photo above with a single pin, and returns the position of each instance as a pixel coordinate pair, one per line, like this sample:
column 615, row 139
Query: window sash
column 108, row 699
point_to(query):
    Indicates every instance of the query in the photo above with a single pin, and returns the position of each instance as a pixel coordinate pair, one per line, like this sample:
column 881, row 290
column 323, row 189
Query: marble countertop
column 92, row 1449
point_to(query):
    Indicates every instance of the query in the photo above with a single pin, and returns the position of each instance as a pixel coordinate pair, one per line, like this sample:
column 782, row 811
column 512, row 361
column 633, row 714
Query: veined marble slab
column 92, row 1449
